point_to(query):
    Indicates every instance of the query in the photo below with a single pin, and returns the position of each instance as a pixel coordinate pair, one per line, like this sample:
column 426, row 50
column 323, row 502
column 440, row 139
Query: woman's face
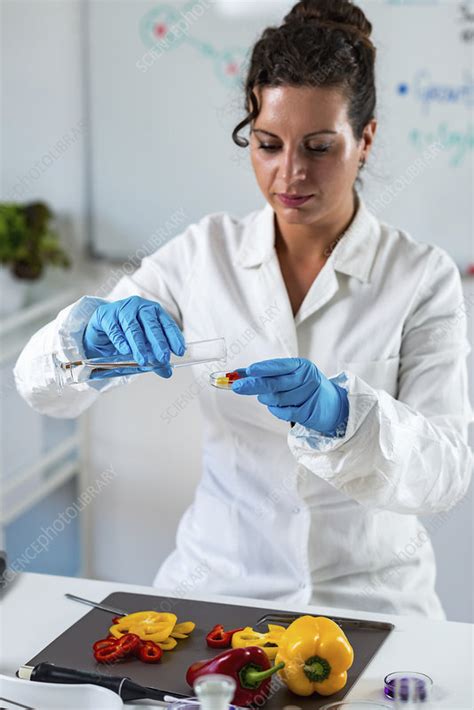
column 302, row 143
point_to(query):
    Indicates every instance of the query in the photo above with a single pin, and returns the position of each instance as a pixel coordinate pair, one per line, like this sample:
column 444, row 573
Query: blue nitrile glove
column 137, row 326
column 296, row 391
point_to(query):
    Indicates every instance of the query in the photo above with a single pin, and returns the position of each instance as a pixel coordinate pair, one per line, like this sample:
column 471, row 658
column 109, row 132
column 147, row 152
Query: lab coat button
column 296, row 510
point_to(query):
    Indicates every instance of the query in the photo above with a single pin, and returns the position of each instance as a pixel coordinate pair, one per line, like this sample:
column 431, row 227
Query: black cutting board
column 73, row 648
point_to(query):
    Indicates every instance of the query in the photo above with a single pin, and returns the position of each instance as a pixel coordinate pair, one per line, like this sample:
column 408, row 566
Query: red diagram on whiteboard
column 164, row 29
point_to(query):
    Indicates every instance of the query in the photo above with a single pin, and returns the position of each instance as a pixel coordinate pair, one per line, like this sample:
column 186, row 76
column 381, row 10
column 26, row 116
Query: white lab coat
column 287, row 514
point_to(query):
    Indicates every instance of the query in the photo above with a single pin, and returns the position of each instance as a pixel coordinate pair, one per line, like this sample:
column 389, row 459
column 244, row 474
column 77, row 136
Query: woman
column 354, row 336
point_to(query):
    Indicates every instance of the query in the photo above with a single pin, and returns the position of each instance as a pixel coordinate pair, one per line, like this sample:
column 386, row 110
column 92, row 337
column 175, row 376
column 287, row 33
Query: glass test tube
column 74, row 372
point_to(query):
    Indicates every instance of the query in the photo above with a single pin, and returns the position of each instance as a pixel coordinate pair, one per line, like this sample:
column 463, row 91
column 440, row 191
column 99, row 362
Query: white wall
column 158, row 465
column 42, row 110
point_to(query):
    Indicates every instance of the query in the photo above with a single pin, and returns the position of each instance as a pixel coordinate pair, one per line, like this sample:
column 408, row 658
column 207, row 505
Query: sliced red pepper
column 103, row 643
column 218, row 638
column 111, row 649
column 236, row 375
column 128, row 644
column 149, row 652
column 116, row 619
column 107, row 654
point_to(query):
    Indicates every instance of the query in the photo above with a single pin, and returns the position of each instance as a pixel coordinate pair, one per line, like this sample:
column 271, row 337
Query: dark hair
column 320, row 43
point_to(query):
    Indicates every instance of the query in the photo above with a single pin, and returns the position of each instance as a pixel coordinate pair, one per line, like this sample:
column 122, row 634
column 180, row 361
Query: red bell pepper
column 249, row 667
column 106, row 651
column 128, row 644
column 103, row 643
column 110, row 650
column 149, row 652
column 218, row 638
column 235, row 375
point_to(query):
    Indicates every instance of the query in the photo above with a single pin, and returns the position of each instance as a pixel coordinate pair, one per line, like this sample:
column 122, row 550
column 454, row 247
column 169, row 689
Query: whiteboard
column 162, row 109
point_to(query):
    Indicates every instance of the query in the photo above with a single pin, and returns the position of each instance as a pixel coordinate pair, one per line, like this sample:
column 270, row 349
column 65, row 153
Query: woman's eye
column 268, row 147
column 318, row 149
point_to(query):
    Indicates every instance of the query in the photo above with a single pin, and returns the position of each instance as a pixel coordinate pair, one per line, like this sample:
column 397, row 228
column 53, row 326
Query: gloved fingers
column 154, row 333
column 292, row 398
column 165, row 371
column 115, row 334
column 172, row 331
column 276, row 366
column 266, row 385
column 135, row 337
column 288, row 414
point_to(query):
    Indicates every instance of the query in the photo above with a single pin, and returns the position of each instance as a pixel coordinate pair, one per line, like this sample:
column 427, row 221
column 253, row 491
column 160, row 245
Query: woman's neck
column 314, row 242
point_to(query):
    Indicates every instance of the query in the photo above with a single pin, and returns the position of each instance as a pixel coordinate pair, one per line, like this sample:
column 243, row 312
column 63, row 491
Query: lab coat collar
column 258, row 239
column 354, row 253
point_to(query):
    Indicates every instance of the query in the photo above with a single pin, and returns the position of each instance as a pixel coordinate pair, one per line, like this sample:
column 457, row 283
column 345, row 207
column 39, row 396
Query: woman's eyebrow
column 315, row 133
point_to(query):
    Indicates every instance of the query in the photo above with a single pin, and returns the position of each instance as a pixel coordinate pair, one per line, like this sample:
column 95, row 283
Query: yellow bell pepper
column 316, row 654
column 168, row 644
column 182, row 630
column 267, row 641
column 148, row 625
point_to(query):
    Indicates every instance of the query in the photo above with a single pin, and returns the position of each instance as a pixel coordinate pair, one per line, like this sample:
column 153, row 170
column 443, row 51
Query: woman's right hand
column 134, row 326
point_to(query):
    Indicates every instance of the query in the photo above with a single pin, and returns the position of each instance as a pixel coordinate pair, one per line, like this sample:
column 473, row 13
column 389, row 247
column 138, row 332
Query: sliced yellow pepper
column 222, row 381
column 316, row 654
column 148, row 625
column 168, row 644
column 267, row 641
column 246, row 637
column 182, row 630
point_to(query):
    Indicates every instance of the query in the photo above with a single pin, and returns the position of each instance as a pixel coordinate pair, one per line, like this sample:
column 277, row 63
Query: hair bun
column 335, row 12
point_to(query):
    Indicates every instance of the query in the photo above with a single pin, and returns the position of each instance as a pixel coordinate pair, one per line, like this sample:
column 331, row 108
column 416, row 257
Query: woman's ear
column 367, row 139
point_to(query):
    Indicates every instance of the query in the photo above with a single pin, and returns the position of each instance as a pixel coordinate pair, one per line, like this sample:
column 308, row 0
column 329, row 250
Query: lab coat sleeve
column 34, row 371
column 164, row 276
column 409, row 454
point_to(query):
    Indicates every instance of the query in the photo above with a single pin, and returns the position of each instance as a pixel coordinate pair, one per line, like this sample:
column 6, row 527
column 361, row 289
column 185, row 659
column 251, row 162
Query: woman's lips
column 290, row 201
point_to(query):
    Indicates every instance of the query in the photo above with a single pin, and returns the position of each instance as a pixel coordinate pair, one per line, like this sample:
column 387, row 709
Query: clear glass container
column 73, row 372
column 223, row 380
column 408, row 687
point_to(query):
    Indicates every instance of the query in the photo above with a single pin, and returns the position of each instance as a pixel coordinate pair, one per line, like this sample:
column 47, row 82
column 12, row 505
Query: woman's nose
column 293, row 165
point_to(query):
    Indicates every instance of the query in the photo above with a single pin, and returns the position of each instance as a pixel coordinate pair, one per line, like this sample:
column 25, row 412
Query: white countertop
column 34, row 611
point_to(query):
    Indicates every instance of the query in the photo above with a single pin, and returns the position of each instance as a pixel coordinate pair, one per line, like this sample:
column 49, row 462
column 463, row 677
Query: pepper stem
column 251, row 675
column 316, row 669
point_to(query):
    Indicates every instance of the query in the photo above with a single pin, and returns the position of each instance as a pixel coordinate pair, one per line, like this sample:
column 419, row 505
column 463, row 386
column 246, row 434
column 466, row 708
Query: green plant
column 27, row 241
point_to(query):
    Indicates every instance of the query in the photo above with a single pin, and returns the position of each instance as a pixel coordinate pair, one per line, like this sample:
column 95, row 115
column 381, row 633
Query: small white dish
column 16, row 694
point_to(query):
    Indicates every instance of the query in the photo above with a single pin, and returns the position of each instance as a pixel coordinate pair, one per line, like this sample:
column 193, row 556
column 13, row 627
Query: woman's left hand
column 295, row 390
